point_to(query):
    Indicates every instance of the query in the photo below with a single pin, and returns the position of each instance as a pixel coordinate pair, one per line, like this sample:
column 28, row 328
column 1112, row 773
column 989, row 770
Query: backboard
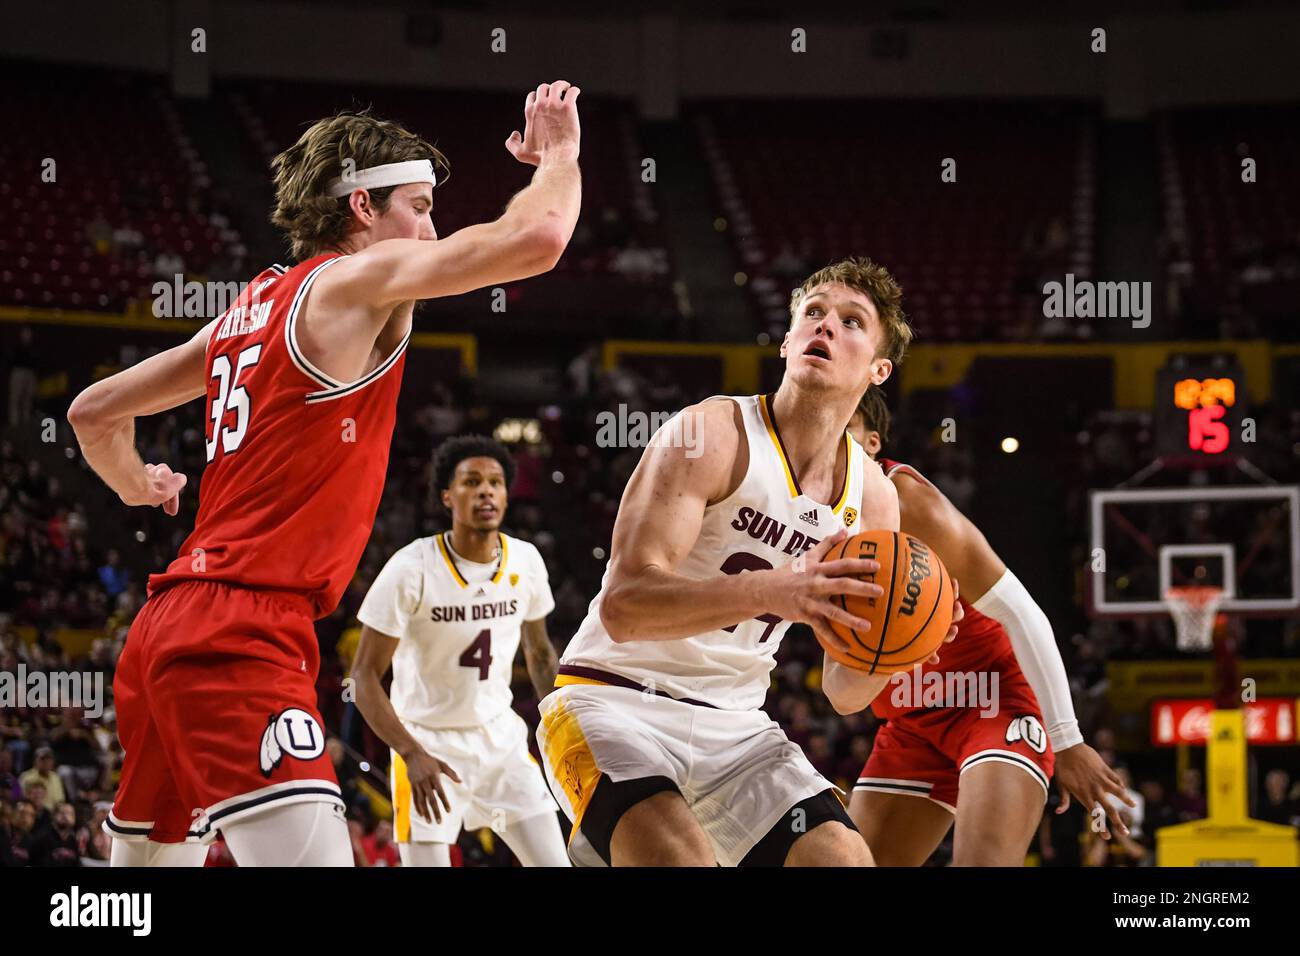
column 1243, row 539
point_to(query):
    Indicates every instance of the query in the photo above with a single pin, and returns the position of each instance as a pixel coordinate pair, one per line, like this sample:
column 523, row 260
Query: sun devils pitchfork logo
column 293, row 732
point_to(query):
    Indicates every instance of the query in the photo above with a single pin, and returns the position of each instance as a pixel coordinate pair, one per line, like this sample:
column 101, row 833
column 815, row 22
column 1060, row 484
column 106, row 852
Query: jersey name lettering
column 475, row 612
column 244, row 319
column 771, row 532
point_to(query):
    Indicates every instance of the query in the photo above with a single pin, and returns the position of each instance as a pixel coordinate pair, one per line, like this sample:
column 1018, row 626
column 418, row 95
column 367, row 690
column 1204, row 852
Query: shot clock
column 1200, row 403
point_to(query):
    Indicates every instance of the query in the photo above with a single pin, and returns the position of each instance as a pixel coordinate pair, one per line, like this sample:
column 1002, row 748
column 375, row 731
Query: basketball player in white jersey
column 653, row 740
column 447, row 612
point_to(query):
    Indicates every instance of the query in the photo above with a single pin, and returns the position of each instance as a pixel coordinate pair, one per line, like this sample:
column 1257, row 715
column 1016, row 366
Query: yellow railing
column 465, row 342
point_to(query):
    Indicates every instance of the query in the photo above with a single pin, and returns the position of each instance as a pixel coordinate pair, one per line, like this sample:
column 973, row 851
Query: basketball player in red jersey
column 984, row 762
column 215, row 691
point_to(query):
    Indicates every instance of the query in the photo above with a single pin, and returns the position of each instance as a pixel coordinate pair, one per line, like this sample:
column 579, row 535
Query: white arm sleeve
column 1008, row 603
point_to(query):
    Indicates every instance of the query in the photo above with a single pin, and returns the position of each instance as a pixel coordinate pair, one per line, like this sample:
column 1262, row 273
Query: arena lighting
column 512, row 430
column 1010, row 445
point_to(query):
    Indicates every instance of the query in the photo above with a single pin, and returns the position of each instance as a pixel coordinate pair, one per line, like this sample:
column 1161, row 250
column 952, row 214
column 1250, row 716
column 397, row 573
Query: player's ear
column 361, row 206
column 880, row 371
column 445, row 497
column 785, row 343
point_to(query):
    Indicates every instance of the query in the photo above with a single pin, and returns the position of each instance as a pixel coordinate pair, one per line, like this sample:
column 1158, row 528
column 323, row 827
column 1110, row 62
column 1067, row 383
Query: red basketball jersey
column 981, row 642
column 296, row 459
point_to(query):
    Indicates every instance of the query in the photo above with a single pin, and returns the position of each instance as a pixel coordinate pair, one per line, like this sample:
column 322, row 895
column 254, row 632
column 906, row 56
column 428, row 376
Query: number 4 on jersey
column 479, row 654
column 230, row 399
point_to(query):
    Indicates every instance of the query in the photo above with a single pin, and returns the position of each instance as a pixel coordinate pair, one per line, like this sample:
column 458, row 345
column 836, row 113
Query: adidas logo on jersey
column 810, row 517
column 481, row 591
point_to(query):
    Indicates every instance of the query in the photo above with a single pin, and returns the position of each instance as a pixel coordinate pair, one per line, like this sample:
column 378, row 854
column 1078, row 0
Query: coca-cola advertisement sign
column 1271, row 720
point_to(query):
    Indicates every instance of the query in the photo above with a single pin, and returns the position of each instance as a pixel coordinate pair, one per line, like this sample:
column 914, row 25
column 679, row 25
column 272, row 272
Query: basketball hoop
column 1193, row 609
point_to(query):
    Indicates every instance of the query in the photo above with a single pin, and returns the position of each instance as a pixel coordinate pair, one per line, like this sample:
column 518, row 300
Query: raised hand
column 550, row 124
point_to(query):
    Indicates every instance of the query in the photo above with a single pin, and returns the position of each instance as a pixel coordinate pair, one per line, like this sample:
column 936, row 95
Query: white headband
column 390, row 174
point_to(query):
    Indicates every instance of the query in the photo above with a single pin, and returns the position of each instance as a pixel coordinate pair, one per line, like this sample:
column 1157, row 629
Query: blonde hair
column 311, row 219
column 873, row 281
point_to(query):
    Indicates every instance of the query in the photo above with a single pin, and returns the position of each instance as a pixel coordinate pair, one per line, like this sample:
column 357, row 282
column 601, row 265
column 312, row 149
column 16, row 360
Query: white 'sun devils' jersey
column 767, row 522
column 458, row 626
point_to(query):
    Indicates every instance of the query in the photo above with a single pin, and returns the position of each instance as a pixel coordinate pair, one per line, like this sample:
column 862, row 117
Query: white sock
column 296, row 834
column 425, row 854
column 537, row 841
column 148, row 853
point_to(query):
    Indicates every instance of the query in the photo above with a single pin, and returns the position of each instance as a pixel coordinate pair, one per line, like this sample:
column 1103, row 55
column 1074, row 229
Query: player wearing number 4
column 447, row 613
column 653, row 739
column 215, row 691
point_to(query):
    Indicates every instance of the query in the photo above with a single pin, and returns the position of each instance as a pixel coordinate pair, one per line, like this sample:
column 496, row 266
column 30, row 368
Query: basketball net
column 1193, row 609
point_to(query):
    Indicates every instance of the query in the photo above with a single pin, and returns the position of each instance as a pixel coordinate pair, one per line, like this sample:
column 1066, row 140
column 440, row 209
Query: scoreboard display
column 1200, row 404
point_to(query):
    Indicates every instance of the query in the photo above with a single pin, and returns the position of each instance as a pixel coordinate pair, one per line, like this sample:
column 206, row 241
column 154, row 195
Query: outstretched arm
column 993, row 590
column 528, row 238
column 103, row 418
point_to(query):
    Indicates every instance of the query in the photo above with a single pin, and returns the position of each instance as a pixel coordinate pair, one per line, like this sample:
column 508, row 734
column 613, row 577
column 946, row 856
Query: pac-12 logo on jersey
column 850, row 517
column 292, row 731
column 1029, row 730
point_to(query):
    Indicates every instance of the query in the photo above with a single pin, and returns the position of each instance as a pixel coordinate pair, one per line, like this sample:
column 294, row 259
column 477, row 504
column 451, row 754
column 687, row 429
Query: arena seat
column 84, row 213
column 803, row 184
column 1239, row 242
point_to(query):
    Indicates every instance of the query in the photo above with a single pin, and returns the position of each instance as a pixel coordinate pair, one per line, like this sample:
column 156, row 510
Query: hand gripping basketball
column 808, row 589
column 910, row 618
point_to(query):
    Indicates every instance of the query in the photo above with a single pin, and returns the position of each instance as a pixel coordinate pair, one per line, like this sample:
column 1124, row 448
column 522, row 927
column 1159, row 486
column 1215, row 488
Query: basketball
column 910, row 620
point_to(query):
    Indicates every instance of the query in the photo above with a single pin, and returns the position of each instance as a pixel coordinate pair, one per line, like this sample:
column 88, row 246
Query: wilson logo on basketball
column 909, row 621
column 918, row 570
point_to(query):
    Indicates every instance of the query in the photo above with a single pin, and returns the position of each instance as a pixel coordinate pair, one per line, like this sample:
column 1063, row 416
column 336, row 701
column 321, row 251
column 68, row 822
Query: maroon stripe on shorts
column 618, row 680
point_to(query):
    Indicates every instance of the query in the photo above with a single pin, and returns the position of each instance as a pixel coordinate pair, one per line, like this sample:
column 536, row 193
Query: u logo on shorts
column 293, row 731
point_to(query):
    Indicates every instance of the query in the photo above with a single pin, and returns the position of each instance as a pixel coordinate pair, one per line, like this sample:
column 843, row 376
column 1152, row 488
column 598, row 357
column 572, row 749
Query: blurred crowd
column 75, row 563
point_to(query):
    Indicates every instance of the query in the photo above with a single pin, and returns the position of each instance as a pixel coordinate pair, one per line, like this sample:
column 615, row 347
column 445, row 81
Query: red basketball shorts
column 924, row 752
column 215, row 695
